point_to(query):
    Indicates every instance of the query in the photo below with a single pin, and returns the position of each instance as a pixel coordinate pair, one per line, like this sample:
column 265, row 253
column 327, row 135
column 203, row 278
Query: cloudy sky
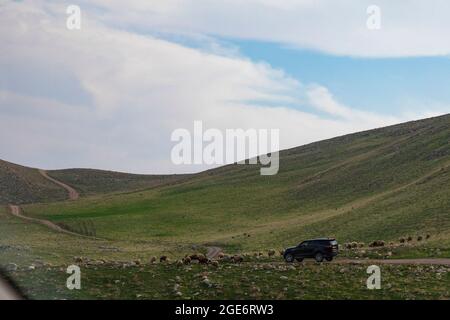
column 110, row 94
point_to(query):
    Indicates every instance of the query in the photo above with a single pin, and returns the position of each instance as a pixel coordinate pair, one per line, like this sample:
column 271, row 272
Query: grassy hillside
column 20, row 185
column 90, row 181
column 382, row 183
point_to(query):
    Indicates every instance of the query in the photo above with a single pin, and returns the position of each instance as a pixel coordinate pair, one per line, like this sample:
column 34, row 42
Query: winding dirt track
column 72, row 193
column 17, row 212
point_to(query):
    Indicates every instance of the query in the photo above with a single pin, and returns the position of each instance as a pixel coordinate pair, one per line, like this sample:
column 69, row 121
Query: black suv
column 319, row 249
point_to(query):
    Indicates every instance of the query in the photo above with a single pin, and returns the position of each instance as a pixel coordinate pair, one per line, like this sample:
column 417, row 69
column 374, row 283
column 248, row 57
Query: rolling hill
column 19, row 185
column 91, row 182
column 377, row 184
column 22, row 185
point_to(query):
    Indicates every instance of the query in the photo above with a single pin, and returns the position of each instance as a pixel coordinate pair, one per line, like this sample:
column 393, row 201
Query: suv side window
column 304, row 244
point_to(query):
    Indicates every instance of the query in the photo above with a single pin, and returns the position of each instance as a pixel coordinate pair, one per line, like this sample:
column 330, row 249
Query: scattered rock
column 10, row 267
column 206, row 282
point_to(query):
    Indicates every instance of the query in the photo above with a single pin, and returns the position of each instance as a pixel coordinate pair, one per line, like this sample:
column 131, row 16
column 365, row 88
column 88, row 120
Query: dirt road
column 432, row 261
column 17, row 212
column 213, row 252
column 72, row 193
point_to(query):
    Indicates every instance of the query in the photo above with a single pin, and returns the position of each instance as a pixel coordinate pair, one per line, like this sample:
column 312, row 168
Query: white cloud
column 408, row 28
column 107, row 98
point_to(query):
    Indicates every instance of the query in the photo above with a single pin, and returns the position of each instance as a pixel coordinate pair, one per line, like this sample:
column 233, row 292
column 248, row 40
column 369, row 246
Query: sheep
column 271, row 252
column 427, row 236
column 215, row 263
column 194, row 256
column 419, row 238
column 163, row 259
column 187, row 260
column 409, row 238
column 153, row 259
column 238, row 259
column 377, row 243
column 402, row 240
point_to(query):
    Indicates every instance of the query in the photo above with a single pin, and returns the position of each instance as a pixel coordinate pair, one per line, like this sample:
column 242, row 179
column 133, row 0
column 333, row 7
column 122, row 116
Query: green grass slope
column 378, row 184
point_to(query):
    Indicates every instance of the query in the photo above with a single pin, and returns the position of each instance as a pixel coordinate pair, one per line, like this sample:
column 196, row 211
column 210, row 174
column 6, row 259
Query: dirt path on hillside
column 432, row 261
column 72, row 193
column 213, row 252
column 17, row 212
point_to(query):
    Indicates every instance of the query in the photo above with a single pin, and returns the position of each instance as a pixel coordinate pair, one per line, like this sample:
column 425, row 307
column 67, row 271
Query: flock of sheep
column 199, row 258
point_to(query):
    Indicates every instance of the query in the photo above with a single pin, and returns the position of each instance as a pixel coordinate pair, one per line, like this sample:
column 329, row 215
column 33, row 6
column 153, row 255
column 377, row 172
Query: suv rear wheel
column 289, row 258
column 318, row 257
column 329, row 259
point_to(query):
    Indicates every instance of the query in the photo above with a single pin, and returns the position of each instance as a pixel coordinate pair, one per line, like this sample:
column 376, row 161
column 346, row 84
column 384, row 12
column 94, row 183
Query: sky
column 110, row 94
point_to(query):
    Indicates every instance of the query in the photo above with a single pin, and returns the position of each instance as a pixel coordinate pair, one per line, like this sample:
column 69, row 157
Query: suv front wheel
column 289, row 258
column 318, row 257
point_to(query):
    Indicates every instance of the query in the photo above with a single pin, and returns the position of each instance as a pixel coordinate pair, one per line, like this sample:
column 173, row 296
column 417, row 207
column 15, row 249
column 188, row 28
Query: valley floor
column 268, row 279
